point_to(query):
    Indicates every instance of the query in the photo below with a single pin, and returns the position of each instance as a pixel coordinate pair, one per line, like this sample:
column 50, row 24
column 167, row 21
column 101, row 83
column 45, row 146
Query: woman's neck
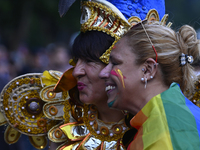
column 107, row 114
column 145, row 95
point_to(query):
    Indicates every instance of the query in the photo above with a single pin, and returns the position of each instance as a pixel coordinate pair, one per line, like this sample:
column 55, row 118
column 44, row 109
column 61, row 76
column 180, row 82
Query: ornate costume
column 22, row 108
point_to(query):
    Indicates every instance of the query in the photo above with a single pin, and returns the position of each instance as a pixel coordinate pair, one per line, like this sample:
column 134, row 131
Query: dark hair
column 91, row 45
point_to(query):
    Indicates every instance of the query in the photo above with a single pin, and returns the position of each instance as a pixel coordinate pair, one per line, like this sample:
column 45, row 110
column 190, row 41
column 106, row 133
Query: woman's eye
column 114, row 63
column 88, row 61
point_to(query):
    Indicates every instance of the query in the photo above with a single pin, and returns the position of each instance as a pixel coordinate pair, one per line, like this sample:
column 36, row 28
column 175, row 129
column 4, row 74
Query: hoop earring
column 145, row 85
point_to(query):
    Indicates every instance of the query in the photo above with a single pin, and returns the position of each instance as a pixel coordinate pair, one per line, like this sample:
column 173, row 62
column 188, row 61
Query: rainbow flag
column 169, row 121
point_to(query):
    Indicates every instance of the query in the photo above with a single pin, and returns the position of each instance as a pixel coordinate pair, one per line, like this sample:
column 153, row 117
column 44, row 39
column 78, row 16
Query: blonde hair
column 169, row 46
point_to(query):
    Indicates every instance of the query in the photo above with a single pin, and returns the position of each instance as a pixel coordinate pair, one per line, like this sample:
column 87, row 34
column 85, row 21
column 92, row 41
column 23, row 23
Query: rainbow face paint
column 111, row 104
column 118, row 73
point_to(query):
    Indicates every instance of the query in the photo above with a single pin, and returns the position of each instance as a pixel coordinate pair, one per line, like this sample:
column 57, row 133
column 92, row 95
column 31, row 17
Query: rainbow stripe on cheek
column 118, row 73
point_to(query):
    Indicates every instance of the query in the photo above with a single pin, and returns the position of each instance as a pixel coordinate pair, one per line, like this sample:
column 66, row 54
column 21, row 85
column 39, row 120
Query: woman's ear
column 150, row 68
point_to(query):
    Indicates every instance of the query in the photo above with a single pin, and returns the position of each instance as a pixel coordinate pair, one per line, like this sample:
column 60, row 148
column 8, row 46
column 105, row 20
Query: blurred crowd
column 23, row 60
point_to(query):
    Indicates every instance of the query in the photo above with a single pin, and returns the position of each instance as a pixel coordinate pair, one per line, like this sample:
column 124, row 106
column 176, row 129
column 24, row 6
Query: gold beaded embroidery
column 104, row 134
column 16, row 112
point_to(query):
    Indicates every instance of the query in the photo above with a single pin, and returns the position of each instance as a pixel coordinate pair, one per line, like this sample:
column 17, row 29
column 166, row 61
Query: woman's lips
column 80, row 86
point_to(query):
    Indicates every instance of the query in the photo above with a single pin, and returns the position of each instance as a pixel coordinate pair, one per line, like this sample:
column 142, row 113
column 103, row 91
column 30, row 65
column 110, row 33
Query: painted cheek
column 114, row 73
column 118, row 73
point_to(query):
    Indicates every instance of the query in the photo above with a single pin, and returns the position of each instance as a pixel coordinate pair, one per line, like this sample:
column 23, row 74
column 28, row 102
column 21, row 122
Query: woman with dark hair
column 91, row 45
column 87, row 49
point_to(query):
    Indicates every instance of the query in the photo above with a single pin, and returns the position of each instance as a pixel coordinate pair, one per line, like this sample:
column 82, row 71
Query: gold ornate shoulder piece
column 22, row 108
column 56, row 105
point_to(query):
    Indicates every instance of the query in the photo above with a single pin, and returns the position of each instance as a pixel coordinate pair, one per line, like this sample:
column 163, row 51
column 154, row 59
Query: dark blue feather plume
column 64, row 6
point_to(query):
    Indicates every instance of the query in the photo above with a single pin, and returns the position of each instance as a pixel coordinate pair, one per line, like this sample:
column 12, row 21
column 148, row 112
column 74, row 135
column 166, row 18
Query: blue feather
column 64, row 6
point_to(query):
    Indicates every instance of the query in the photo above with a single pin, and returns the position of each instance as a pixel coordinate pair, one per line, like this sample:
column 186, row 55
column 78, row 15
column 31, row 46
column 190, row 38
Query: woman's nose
column 105, row 72
column 79, row 69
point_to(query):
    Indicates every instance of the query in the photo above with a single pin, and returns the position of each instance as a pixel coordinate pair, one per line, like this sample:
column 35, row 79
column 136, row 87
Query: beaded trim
column 102, row 133
column 105, row 57
column 13, row 104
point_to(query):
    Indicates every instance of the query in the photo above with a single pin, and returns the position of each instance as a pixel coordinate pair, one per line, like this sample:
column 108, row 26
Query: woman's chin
column 84, row 99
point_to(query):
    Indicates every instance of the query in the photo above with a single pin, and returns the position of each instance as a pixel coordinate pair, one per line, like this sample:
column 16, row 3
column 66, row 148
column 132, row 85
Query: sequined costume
column 81, row 127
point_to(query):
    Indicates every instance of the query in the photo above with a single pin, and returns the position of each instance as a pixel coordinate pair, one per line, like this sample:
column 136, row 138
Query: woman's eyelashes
column 115, row 62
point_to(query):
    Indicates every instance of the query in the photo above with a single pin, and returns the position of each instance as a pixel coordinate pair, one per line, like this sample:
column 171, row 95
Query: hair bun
column 188, row 41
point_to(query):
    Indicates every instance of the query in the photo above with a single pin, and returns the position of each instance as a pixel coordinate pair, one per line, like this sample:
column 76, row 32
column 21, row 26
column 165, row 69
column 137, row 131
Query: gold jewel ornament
column 22, row 108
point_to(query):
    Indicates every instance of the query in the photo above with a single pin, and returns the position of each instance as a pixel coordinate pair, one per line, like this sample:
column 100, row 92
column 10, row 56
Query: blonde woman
column 148, row 70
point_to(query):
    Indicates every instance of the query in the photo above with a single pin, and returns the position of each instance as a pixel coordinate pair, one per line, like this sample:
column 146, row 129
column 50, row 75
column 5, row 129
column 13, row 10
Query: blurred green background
column 37, row 22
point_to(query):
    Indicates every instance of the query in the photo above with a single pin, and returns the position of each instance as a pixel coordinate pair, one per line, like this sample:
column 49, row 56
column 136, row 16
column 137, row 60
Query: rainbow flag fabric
column 169, row 121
